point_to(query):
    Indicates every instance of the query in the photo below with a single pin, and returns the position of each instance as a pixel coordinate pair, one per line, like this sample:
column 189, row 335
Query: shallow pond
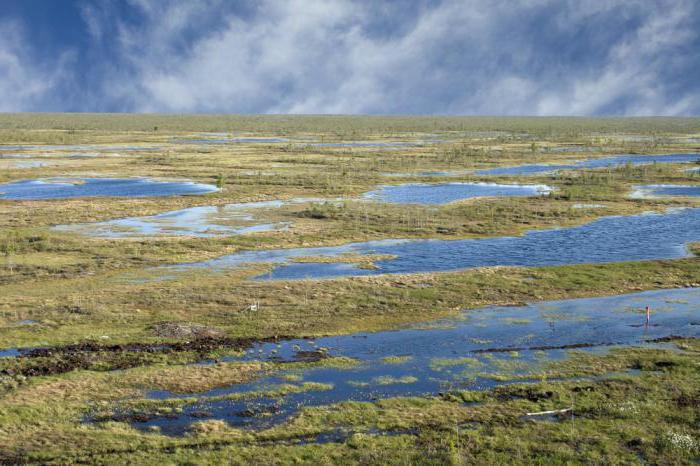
column 609, row 239
column 203, row 221
column 478, row 350
column 63, row 188
column 534, row 169
column 424, row 193
column 657, row 190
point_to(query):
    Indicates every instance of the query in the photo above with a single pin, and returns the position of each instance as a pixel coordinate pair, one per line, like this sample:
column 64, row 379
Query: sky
column 446, row 57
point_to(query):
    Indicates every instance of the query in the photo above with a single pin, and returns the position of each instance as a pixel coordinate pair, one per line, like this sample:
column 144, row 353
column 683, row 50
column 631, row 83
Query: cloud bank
column 468, row 57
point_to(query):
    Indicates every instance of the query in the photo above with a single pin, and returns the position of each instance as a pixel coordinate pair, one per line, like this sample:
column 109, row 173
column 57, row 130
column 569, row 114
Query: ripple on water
column 63, row 188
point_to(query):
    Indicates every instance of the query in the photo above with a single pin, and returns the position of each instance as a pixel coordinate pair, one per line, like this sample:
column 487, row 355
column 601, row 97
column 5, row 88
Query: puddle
column 63, row 188
column 656, row 236
column 450, row 355
column 9, row 353
column 204, row 221
column 657, row 190
column 23, row 323
column 587, row 206
column 423, row 193
column 533, row 169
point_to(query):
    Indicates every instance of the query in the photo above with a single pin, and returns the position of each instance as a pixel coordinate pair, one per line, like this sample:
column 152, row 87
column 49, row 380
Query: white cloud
column 544, row 57
column 26, row 83
column 464, row 57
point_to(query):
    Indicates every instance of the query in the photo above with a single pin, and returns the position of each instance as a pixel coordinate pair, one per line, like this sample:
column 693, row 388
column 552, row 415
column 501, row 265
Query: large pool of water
column 619, row 160
column 478, row 350
column 63, row 188
column 609, row 239
column 425, row 193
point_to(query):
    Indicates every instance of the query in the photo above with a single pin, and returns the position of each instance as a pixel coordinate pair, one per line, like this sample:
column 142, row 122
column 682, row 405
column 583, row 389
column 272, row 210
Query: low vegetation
column 104, row 331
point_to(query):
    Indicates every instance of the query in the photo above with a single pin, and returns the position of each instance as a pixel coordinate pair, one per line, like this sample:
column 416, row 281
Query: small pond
column 424, row 193
column 64, row 188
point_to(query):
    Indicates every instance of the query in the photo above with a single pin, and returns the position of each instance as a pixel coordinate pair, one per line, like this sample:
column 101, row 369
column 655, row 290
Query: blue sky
column 468, row 57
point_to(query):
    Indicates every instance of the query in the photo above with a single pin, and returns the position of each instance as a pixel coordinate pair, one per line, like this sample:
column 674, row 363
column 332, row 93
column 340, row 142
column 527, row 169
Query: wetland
column 282, row 290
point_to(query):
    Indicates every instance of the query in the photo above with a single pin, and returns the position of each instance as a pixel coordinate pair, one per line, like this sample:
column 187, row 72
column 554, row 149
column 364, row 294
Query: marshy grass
column 79, row 289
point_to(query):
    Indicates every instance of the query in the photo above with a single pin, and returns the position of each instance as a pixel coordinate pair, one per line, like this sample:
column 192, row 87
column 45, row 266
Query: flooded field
column 65, row 188
column 479, row 350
